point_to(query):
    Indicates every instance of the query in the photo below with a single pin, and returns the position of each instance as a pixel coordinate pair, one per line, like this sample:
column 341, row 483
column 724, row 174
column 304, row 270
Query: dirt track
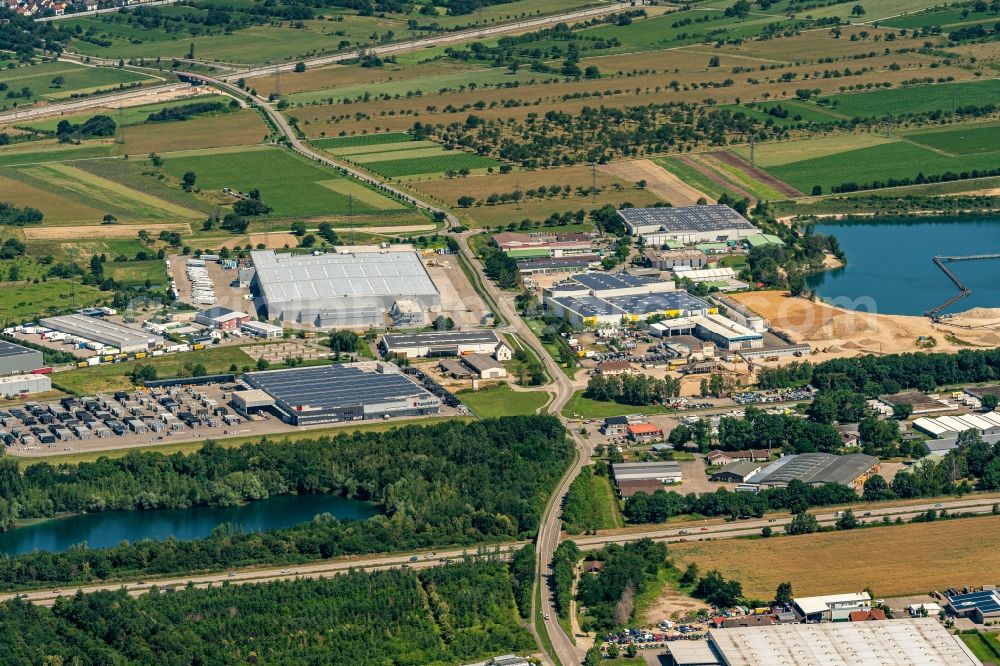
column 659, row 181
column 757, row 174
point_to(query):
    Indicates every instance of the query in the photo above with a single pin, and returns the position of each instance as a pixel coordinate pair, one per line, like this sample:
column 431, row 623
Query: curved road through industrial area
column 562, row 388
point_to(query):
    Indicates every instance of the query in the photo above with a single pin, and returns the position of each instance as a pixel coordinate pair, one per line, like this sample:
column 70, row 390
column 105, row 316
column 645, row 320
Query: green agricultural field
column 138, row 176
column 255, row 44
column 126, row 204
column 424, row 85
column 659, row 32
column 33, row 154
column 503, row 401
column 24, row 301
column 915, row 99
column 133, row 115
column 292, row 186
column 943, row 17
column 113, row 377
column 110, row 248
column 898, row 159
column 446, row 161
column 137, row 273
column 334, row 145
column 968, row 139
column 691, row 176
column 41, row 80
column 395, row 154
column 395, row 148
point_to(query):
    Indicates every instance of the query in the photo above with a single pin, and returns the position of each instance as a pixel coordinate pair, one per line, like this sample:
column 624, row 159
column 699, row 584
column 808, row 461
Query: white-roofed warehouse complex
column 123, row 338
column 353, row 290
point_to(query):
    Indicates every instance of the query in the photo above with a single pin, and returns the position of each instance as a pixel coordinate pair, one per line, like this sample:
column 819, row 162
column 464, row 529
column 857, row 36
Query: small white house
column 502, row 352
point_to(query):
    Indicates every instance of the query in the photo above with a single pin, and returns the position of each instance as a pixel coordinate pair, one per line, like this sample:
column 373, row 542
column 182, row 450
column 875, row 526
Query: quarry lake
column 108, row 528
column 890, row 263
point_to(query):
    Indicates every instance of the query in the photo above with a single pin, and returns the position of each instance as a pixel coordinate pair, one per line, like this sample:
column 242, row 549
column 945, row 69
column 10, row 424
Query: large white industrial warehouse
column 348, row 290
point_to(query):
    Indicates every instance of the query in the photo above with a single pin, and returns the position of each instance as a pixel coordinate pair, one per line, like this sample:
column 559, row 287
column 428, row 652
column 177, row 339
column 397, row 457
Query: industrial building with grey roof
column 440, row 343
column 348, row 392
column 97, row 329
column 350, row 290
column 15, row 358
column 687, row 224
column 816, row 469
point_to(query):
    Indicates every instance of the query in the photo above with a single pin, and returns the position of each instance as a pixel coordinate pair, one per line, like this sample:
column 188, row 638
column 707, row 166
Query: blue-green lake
column 109, row 528
column 890, row 265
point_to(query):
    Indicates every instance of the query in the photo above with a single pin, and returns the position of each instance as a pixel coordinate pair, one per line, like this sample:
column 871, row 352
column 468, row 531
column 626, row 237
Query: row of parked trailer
column 104, row 416
column 202, row 287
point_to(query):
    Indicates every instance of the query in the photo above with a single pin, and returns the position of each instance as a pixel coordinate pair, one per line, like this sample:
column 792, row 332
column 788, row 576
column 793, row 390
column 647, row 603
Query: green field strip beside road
column 333, row 143
column 969, row 139
column 380, row 148
column 446, row 161
column 503, row 401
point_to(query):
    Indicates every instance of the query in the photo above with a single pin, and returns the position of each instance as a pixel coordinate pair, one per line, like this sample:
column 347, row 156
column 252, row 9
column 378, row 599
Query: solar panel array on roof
column 986, row 602
column 661, row 301
column 588, row 306
column 603, row 281
column 343, row 392
column 696, row 219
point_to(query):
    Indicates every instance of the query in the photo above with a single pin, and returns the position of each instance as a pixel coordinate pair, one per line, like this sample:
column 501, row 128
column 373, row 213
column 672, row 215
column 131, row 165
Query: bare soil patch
column 659, row 181
column 835, row 332
column 275, row 239
column 101, row 231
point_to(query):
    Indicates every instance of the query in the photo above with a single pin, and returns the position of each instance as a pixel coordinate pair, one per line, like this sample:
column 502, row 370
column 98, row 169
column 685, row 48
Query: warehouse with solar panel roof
column 333, row 393
column 687, row 224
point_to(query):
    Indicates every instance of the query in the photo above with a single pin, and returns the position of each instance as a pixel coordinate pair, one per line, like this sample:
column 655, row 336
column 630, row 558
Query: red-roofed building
column 644, row 432
column 627, row 488
column 866, row 615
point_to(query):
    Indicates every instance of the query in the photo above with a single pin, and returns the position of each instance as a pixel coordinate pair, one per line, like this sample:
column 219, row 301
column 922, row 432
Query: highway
column 695, row 530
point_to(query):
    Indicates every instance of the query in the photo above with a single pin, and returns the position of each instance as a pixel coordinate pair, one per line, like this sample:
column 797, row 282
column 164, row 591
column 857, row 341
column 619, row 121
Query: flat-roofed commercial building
column 124, row 338
column 15, row 385
column 832, row 607
column 906, row 642
column 261, row 329
column 15, row 358
column 727, row 333
column 667, row 471
column 221, row 318
column 440, row 343
column 817, row 469
column 349, row 392
column 687, row 224
column 349, row 290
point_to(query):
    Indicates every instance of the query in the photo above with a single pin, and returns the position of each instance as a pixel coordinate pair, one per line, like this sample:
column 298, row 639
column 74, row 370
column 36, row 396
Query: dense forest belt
column 443, row 615
column 449, row 484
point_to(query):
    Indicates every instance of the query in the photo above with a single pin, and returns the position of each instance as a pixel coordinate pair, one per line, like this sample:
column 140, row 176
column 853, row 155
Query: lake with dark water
column 109, row 528
column 890, row 265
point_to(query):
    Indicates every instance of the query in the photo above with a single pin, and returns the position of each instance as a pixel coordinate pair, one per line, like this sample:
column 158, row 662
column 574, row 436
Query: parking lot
column 144, row 417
